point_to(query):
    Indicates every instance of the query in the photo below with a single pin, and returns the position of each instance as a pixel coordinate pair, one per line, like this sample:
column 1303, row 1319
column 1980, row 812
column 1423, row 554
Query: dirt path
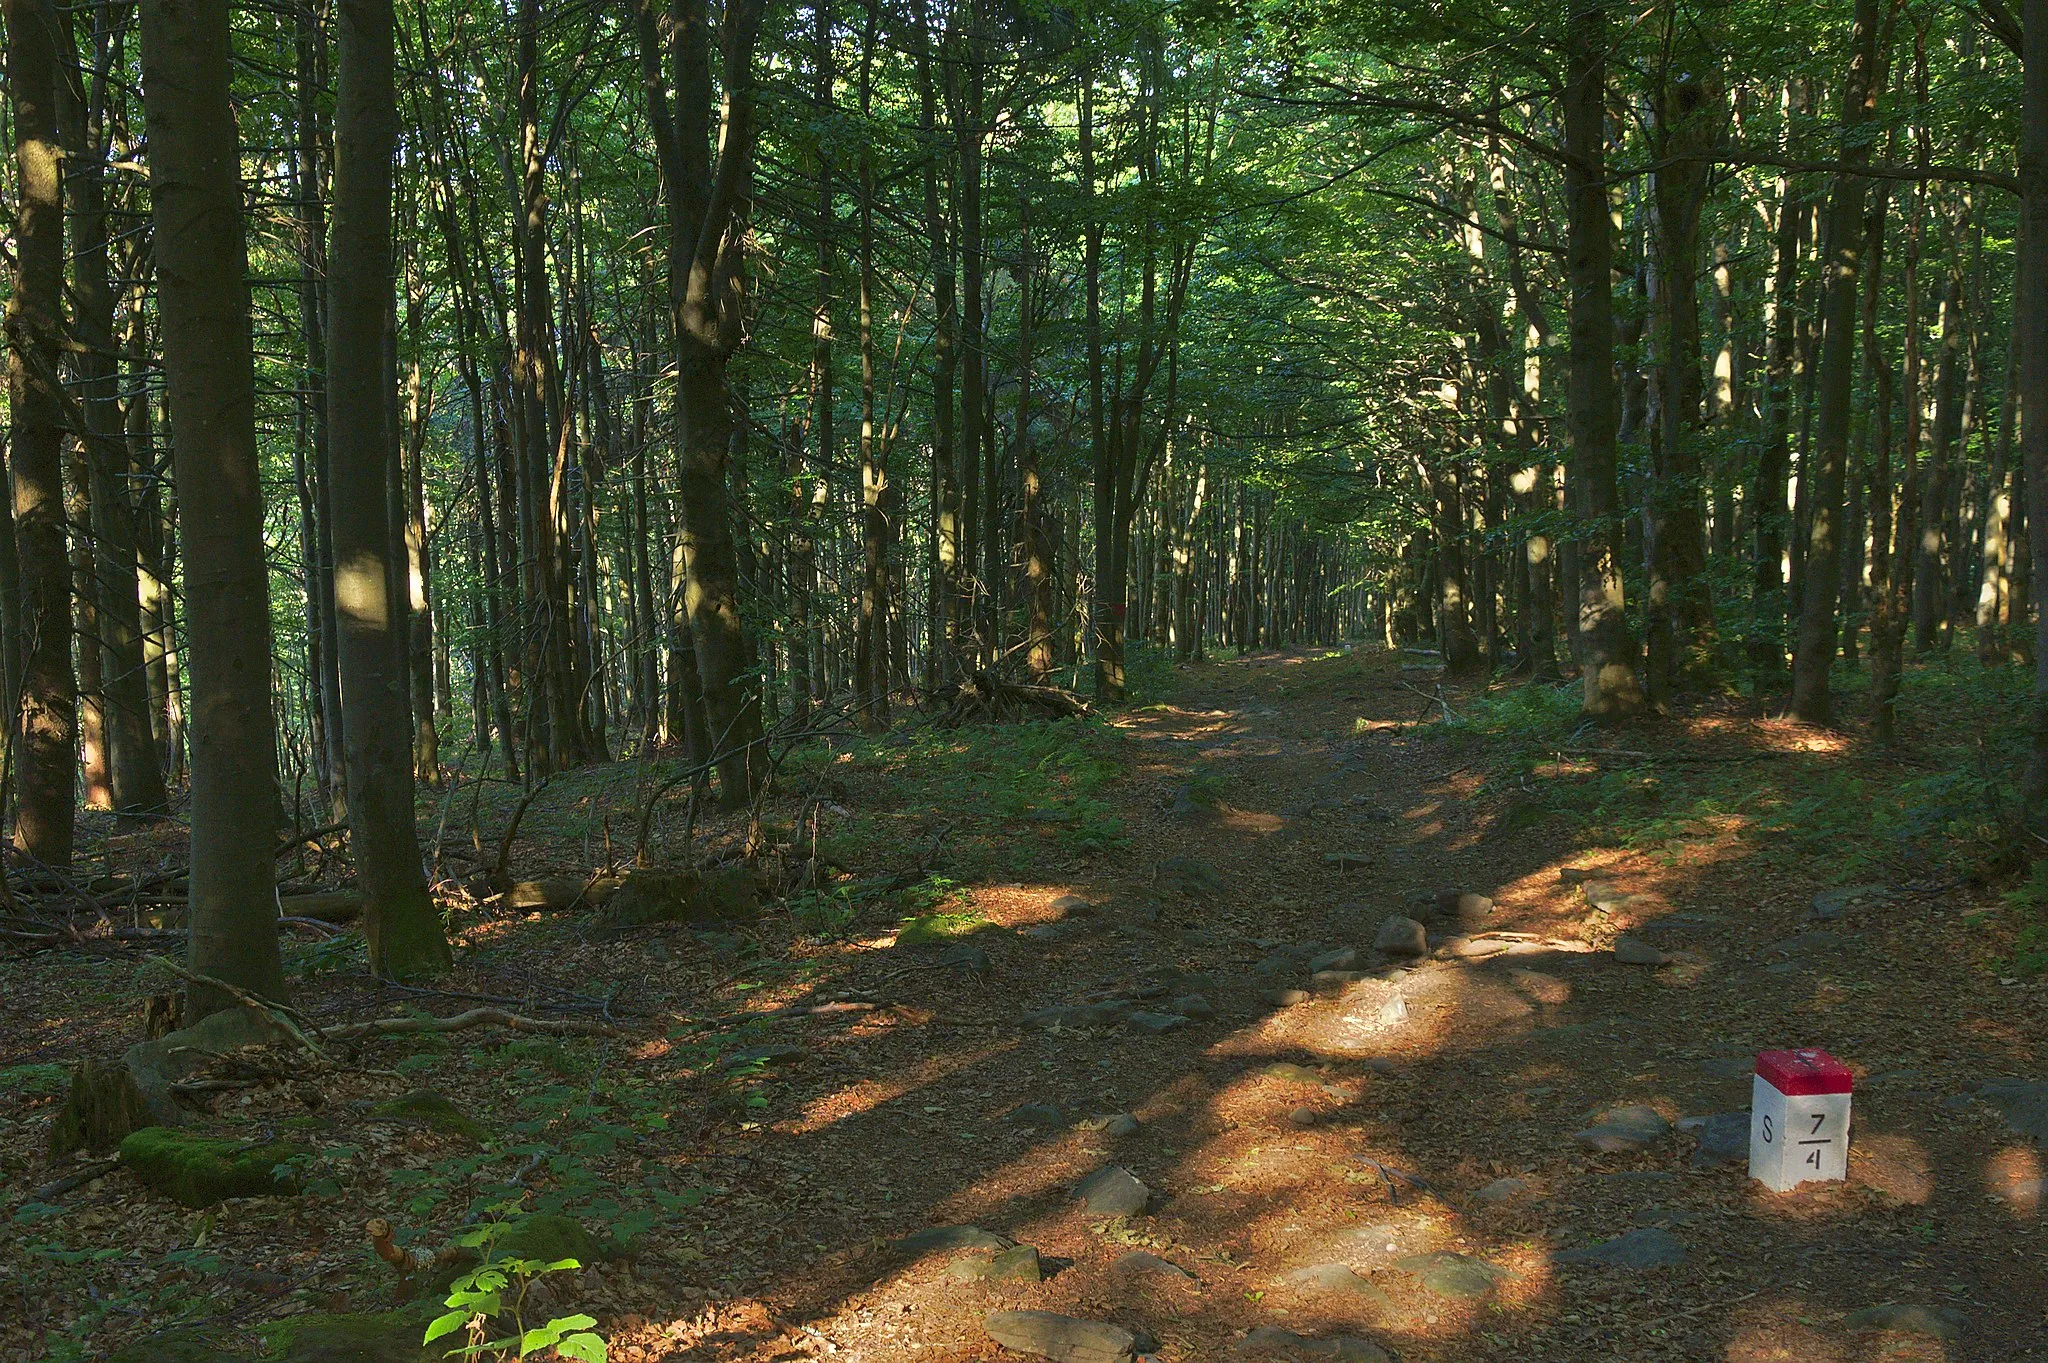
column 1343, row 1153
column 1393, row 1160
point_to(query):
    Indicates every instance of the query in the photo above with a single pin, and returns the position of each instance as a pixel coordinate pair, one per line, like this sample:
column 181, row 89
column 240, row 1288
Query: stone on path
column 1194, row 1006
column 948, row 1238
column 1336, row 1280
column 1331, row 981
column 1470, row 948
column 1140, row 1021
column 1064, row 1339
column 1606, row 897
column 1635, row 951
column 1017, row 1264
column 1072, row 905
column 1139, row 1264
column 1116, row 1125
column 1457, row 1277
column 1829, row 905
column 1463, row 909
column 1113, row 1191
column 1400, row 936
column 1724, row 1138
column 1042, row 1115
column 1645, row 1247
column 1943, row 1322
column 1344, row 958
column 1185, row 875
column 1272, row 1342
column 1502, row 1190
column 2023, row 1103
column 1286, row 998
column 1622, row 1130
column 1289, row 1072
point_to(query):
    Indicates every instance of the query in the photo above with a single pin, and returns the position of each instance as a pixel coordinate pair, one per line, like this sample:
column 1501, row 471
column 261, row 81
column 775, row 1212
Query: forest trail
column 1343, row 1153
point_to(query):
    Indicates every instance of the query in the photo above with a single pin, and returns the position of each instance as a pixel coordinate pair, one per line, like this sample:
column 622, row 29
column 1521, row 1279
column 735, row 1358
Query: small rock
column 972, row 959
column 1196, row 879
column 1724, row 1138
column 1194, row 1006
column 1074, row 1016
column 1646, row 1247
column 1471, row 948
column 1302, row 1116
column 1042, row 1115
column 1393, row 1012
column 1624, row 1129
column 1333, row 981
column 1348, row 861
column 1335, row 1280
column 1400, row 936
column 1463, row 909
column 1450, row 1275
column 1635, row 951
column 1113, row 1191
column 2023, row 1103
column 936, row 1239
column 1289, row 1072
column 1286, row 998
column 1116, row 1125
column 1017, row 1264
column 1270, row 1341
column 1502, row 1190
column 1942, row 1322
column 1344, row 958
column 1606, row 898
column 1570, row 876
column 1064, row 1339
column 1829, row 905
column 1138, row 1263
column 1071, row 906
column 1139, row 1021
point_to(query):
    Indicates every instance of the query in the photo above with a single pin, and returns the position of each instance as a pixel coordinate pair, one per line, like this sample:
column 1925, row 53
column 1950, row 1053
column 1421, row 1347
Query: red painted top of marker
column 1803, row 1071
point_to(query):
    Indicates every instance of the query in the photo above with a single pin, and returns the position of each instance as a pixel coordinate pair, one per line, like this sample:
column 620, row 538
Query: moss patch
column 434, row 1110
column 199, row 1171
column 550, row 1237
column 361, row 1337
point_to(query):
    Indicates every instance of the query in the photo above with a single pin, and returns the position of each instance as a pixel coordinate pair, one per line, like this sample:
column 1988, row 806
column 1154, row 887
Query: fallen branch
column 57, row 1187
column 805, row 1010
column 459, row 1022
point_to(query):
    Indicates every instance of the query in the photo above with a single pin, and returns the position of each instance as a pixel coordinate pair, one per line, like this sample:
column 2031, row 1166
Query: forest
column 591, row 591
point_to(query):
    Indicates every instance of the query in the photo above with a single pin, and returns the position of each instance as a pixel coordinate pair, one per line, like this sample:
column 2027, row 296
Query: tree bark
column 1607, row 648
column 399, row 919
column 1812, row 701
column 46, row 772
column 209, row 371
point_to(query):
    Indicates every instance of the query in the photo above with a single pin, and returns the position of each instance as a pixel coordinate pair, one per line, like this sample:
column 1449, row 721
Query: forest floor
column 1380, row 1161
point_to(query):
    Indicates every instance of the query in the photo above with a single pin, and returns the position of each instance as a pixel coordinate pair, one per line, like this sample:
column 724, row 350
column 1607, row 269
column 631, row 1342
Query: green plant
column 497, row 1288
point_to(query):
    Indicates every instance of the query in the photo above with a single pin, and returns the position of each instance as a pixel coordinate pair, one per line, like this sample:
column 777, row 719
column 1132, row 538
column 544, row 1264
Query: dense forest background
column 618, row 378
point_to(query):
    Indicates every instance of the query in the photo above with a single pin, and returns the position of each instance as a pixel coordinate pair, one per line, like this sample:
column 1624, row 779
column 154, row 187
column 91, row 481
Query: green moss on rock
column 433, row 1110
column 550, row 1237
column 199, row 1171
column 178, row 1346
column 357, row 1337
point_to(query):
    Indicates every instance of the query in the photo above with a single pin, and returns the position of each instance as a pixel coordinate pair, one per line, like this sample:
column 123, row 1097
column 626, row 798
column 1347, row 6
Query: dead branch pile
column 985, row 698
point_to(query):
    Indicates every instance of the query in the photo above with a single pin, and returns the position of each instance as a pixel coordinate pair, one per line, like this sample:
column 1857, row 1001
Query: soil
column 1280, row 804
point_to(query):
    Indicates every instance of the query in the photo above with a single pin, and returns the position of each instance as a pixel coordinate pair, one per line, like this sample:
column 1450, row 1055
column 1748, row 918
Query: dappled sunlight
column 2013, row 1177
column 866, row 1095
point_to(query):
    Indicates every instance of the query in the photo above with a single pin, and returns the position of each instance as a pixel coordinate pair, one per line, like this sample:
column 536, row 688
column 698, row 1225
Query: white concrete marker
column 1799, row 1119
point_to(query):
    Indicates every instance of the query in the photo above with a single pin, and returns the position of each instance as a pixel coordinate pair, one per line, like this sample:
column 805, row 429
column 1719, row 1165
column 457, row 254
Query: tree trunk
column 2031, row 335
column 209, row 372
column 1607, row 649
column 46, row 771
column 399, row 920
column 1814, row 657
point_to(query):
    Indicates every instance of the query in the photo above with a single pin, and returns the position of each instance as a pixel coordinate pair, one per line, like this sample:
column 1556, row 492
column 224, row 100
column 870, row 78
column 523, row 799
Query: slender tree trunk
column 2031, row 335
column 1607, row 648
column 399, row 920
column 209, row 371
column 1814, row 657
